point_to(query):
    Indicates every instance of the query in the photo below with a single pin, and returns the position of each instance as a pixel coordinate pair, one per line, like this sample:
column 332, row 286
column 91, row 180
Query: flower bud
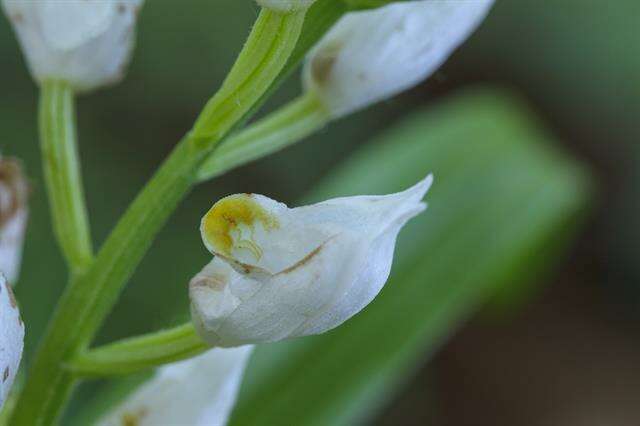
column 13, row 217
column 11, row 339
column 369, row 56
column 286, row 6
column 86, row 43
column 199, row 392
column 280, row 272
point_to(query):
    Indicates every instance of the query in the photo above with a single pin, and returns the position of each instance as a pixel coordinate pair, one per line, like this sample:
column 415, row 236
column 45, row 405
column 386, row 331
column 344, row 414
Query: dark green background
column 577, row 63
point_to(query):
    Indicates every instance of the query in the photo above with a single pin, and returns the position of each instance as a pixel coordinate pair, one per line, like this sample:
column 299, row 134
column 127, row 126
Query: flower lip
column 257, row 235
column 224, row 223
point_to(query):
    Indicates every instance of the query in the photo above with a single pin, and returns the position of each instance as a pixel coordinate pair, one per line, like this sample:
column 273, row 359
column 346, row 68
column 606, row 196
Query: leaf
column 502, row 191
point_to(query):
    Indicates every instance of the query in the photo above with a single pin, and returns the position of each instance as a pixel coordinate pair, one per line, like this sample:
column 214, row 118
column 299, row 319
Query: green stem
column 62, row 174
column 263, row 57
column 90, row 297
column 290, row 124
column 139, row 353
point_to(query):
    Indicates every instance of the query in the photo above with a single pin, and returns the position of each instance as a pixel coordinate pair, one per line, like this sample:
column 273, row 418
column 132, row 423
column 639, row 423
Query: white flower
column 281, row 272
column 370, row 56
column 87, row 43
column 13, row 217
column 286, row 6
column 11, row 339
column 198, row 392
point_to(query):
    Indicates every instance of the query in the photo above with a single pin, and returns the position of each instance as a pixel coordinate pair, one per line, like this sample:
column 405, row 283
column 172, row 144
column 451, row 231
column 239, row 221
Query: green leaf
column 502, row 192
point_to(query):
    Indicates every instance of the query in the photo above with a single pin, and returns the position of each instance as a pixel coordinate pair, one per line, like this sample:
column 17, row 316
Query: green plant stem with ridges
column 288, row 125
column 90, row 296
column 140, row 353
column 62, row 174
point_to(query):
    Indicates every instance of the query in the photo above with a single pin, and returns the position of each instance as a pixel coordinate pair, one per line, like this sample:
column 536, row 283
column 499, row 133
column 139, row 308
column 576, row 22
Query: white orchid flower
column 198, row 392
column 86, row 43
column 13, row 217
column 280, row 273
column 369, row 56
column 11, row 339
column 286, row 6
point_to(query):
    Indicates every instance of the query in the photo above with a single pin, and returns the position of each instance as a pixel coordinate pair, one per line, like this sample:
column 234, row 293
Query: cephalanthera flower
column 11, row 339
column 197, row 392
column 286, row 5
column 13, row 216
column 372, row 55
column 281, row 272
column 87, row 43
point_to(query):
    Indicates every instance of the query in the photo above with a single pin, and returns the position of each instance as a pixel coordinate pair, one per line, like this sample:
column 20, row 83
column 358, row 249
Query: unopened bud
column 86, row 43
column 370, row 56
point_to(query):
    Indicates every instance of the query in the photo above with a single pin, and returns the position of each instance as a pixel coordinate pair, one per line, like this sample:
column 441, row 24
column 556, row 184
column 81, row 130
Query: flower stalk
column 90, row 296
column 140, row 353
column 61, row 165
column 290, row 124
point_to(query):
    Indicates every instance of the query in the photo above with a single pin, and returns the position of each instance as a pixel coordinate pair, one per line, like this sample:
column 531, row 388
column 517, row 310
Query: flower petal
column 354, row 66
column 345, row 254
column 11, row 339
column 87, row 43
column 197, row 392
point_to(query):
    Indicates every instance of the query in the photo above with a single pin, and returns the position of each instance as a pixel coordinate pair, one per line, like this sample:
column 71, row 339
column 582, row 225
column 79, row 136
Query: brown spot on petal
column 12, row 298
column 216, row 282
column 122, row 8
column 322, row 66
column 6, row 373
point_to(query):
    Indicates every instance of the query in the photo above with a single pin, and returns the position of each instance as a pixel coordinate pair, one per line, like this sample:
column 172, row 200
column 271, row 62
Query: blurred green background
column 561, row 350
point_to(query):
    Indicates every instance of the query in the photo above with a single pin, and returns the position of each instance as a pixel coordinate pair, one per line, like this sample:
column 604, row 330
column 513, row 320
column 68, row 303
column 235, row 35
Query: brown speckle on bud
column 14, row 189
column 323, row 62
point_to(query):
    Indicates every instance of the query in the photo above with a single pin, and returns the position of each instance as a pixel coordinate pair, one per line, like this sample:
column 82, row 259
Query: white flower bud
column 198, row 392
column 285, row 6
column 87, row 43
column 13, row 217
column 11, row 339
column 281, row 272
column 370, row 56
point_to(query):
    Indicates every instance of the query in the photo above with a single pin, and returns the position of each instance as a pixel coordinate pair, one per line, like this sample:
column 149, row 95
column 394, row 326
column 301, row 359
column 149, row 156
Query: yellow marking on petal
column 134, row 418
column 221, row 225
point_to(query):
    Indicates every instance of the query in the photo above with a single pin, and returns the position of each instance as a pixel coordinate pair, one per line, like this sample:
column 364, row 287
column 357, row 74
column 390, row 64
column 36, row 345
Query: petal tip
column 418, row 191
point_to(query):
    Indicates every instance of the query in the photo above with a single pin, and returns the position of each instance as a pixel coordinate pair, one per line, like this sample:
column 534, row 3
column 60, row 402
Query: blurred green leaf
column 501, row 193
